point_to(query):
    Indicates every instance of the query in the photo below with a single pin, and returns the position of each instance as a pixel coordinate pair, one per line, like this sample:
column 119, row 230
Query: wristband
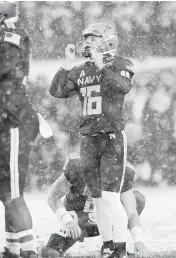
column 136, row 234
column 63, row 215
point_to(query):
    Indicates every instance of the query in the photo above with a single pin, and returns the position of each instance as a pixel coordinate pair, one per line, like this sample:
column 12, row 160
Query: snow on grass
column 158, row 221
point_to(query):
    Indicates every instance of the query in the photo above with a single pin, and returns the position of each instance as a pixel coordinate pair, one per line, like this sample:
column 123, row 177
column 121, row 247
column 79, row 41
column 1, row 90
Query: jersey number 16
column 91, row 105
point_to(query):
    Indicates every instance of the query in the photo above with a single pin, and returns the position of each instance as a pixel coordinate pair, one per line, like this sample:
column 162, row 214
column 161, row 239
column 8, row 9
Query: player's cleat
column 114, row 250
column 7, row 254
column 47, row 252
column 115, row 254
column 28, row 254
column 120, row 250
column 107, row 249
column 129, row 255
column 107, row 253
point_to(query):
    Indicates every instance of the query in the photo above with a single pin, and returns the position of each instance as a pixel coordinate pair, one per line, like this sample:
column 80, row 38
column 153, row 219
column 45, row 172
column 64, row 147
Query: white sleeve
column 45, row 129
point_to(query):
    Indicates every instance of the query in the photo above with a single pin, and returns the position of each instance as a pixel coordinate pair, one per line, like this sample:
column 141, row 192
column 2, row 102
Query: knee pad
column 28, row 254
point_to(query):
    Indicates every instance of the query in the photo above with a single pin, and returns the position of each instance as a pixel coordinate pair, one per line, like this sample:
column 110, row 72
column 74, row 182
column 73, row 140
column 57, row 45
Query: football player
column 19, row 126
column 101, row 82
column 78, row 210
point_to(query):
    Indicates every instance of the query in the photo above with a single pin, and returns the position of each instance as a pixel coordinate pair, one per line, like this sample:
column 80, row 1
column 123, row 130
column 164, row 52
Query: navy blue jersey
column 15, row 54
column 101, row 93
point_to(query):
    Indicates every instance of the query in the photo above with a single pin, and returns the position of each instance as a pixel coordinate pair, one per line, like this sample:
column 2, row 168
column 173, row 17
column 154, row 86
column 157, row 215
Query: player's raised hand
column 69, row 56
column 98, row 58
column 141, row 251
column 70, row 52
column 73, row 230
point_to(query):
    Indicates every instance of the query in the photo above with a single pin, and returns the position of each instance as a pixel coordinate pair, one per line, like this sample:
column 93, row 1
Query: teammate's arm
column 58, row 190
column 62, row 86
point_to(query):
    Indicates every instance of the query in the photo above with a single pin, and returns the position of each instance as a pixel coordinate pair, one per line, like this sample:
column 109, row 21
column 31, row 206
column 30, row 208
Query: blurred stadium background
column 146, row 33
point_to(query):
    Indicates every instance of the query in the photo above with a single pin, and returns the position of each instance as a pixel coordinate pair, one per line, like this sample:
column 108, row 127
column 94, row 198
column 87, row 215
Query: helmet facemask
column 107, row 41
column 85, row 48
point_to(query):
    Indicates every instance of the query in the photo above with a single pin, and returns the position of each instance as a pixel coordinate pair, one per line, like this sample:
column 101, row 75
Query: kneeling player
column 76, row 213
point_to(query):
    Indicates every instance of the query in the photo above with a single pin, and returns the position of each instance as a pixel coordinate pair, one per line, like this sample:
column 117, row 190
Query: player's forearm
column 55, row 203
column 133, row 221
column 135, row 228
column 57, row 88
column 57, row 191
column 116, row 80
column 55, row 195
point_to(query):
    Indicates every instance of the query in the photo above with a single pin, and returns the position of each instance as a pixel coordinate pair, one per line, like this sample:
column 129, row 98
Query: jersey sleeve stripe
column 74, row 156
column 129, row 165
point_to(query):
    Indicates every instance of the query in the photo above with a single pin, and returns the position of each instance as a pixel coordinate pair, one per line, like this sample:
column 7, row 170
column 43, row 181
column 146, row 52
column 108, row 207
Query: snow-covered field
column 158, row 222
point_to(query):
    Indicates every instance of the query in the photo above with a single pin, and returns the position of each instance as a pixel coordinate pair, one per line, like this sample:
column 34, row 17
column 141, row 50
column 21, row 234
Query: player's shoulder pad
column 77, row 67
column 125, row 66
column 73, row 157
column 74, row 70
column 123, row 61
